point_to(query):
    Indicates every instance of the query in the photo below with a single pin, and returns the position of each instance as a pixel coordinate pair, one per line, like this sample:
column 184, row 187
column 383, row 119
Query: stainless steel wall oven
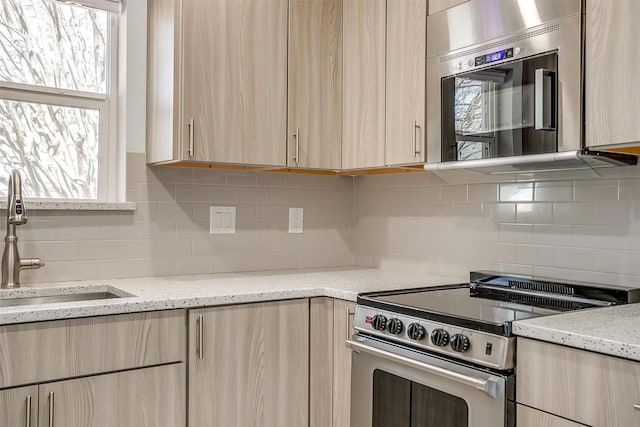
column 445, row 356
column 504, row 79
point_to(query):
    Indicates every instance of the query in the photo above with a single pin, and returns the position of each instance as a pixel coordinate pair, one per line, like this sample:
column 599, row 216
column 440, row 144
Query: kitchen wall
column 169, row 231
column 582, row 229
column 586, row 229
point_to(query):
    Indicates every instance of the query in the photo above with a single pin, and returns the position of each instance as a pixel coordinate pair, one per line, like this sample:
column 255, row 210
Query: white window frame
column 106, row 104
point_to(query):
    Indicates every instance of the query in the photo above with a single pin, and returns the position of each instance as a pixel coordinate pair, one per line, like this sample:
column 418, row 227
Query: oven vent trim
column 520, row 37
column 540, row 286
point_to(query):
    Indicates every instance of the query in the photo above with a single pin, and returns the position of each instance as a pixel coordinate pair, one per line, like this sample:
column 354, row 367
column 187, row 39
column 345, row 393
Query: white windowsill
column 76, row 206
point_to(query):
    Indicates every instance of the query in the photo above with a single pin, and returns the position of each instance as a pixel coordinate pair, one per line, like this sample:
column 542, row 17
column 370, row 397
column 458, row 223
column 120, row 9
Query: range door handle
column 546, row 100
column 488, row 386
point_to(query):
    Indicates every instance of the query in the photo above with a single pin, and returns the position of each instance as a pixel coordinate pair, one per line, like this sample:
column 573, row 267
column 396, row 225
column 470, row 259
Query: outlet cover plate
column 222, row 220
column 296, row 220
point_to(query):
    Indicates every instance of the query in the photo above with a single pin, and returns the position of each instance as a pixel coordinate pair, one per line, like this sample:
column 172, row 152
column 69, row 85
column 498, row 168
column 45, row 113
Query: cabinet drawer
column 579, row 385
column 38, row 352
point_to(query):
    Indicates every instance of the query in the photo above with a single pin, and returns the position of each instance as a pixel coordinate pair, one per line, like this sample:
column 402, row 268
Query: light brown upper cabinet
column 315, row 84
column 384, row 83
column 405, row 77
column 611, row 73
column 436, row 6
column 363, row 127
column 226, row 61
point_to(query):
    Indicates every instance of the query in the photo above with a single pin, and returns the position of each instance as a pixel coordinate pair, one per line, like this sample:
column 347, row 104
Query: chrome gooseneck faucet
column 16, row 215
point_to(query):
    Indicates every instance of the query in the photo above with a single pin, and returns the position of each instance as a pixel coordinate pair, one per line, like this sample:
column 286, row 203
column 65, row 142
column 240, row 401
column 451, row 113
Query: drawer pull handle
column 28, row 417
column 636, row 407
column 51, row 406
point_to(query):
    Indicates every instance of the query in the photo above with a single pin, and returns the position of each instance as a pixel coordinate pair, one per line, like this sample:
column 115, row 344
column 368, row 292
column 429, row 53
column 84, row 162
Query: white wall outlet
column 295, row 220
column 222, row 220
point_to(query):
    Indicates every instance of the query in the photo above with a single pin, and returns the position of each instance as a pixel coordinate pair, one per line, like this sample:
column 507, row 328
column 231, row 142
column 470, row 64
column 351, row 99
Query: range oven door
column 394, row 386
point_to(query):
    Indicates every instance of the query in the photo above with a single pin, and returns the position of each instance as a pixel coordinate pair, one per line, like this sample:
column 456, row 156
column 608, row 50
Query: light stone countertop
column 613, row 330
column 163, row 293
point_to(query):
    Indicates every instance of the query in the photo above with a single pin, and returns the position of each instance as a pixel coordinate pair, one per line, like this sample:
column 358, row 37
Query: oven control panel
column 483, row 348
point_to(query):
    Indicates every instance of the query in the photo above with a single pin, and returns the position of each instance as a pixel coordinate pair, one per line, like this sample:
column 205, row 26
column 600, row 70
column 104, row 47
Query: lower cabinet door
column 19, row 407
column 148, row 397
column 530, row 417
column 249, row 365
column 343, row 329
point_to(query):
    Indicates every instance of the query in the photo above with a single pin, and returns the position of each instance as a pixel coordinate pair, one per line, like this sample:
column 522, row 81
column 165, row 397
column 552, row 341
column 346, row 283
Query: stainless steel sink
column 26, row 296
column 53, row 299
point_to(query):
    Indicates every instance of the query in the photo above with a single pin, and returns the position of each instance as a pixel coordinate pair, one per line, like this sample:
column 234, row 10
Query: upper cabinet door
column 406, row 55
column 611, row 74
column 234, row 81
column 315, row 84
column 363, row 129
column 436, row 6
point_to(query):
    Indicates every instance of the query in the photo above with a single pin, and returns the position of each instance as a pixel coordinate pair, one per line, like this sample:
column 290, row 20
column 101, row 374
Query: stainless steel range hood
column 548, row 162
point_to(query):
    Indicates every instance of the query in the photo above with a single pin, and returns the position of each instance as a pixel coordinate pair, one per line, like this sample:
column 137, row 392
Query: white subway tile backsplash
column 192, row 265
column 118, row 269
column 97, row 249
column 192, row 193
column 565, row 228
column 534, row 213
column 482, row 193
column 516, row 192
column 596, row 191
column 573, row 213
column 174, row 247
column 176, row 175
column 561, row 191
column 453, row 194
column 573, row 258
column 254, row 195
column 209, row 176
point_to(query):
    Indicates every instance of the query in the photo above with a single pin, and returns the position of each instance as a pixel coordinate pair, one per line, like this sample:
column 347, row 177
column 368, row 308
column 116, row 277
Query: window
column 57, row 75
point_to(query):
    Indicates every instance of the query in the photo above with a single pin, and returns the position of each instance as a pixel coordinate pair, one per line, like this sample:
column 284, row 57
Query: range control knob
column 395, row 326
column 460, row 343
column 416, row 332
column 440, row 337
column 379, row 322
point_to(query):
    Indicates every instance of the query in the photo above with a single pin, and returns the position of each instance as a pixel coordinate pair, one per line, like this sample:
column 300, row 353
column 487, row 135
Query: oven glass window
column 491, row 112
column 398, row 402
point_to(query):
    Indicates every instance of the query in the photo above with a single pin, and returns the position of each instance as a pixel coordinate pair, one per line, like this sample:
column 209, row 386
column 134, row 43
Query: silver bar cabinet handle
column 416, row 151
column 28, row 417
column 191, row 131
column 636, row 407
column 51, row 410
column 200, row 336
column 296, row 135
column 348, row 329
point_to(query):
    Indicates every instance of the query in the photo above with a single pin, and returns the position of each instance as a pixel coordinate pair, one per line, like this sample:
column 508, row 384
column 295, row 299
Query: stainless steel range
column 445, row 356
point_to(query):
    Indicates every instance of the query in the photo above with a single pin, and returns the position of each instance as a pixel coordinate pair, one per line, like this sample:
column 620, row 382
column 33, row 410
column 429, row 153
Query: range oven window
column 509, row 109
column 398, row 402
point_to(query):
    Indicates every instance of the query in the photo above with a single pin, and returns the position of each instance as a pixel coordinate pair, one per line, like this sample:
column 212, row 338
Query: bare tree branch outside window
column 52, row 45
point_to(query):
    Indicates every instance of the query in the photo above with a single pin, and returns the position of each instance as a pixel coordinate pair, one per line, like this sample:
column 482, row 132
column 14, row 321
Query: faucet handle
column 16, row 212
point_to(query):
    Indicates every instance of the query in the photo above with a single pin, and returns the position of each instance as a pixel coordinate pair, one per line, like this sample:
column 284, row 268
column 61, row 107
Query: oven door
column 394, row 386
column 502, row 111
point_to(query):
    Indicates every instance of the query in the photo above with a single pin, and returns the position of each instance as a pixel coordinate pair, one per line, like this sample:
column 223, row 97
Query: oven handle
column 488, row 386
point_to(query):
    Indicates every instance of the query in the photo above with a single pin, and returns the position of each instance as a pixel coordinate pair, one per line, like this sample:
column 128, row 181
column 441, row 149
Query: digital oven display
column 494, row 56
